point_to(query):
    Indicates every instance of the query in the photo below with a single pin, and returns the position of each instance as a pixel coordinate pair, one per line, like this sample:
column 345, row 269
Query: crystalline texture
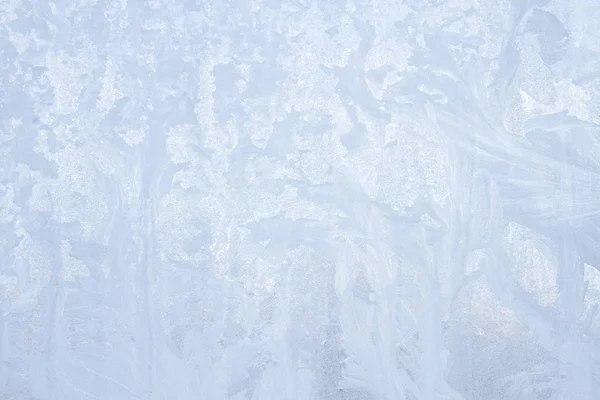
column 300, row 200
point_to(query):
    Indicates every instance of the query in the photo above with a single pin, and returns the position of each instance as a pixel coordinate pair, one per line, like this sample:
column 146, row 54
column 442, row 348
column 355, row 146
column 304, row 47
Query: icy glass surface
column 299, row 199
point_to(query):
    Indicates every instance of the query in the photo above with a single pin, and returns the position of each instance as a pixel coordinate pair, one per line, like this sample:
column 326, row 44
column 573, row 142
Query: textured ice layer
column 300, row 200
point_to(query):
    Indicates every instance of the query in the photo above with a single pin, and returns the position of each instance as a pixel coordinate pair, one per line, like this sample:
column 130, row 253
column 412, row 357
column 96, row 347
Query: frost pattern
column 300, row 199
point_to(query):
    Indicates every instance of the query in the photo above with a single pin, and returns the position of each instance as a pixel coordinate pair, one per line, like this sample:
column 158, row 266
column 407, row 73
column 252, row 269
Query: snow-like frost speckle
column 533, row 269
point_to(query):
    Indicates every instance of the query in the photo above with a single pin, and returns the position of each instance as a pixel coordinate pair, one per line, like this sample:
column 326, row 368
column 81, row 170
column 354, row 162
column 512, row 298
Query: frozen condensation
column 300, row 200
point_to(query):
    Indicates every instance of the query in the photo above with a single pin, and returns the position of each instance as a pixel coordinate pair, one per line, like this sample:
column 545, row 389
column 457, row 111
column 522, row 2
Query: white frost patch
column 402, row 164
column 299, row 208
column 337, row 51
column 110, row 91
column 7, row 11
column 260, row 279
column 576, row 99
column 583, row 27
column 40, row 199
column 534, row 266
column 181, row 143
column 72, row 268
column 474, row 260
column 259, row 126
column 133, row 137
column 105, row 158
column 582, row 101
column 317, row 45
column 8, row 208
column 486, row 307
column 392, row 54
column 442, row 98
column 592, row 298
column 74, row 196
column 64, row 73
column 9, row 289
column 384, row 15
column 30, row 255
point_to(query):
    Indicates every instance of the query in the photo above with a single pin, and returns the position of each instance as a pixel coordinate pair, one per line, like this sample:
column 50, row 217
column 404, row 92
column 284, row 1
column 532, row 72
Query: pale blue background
column 300, row 200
